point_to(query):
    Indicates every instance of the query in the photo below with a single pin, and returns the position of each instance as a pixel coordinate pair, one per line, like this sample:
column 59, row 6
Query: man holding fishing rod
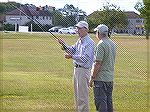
column 82, row 53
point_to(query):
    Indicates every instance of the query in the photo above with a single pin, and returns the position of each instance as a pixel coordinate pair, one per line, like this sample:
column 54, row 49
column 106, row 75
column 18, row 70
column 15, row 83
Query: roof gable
column 29, row 11
column 132, row 15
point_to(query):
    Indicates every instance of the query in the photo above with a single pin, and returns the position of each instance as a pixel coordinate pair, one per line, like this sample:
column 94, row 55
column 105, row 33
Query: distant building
column 135, row 24
column 27, row 13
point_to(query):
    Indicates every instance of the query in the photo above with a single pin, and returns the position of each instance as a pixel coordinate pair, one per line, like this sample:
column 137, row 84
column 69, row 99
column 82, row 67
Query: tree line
column 58, row 19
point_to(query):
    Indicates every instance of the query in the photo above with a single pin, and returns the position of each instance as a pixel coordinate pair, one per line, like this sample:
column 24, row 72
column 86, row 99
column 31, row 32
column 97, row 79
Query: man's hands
column 61, row 41
column 68, row 56
column 91, row 82
column 95, row 69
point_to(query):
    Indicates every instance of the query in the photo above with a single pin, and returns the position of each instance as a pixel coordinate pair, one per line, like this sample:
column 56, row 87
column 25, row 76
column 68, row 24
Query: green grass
column 37, row 78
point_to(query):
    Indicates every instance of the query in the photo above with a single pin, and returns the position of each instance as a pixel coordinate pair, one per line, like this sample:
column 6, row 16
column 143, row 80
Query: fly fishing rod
column 40, row 26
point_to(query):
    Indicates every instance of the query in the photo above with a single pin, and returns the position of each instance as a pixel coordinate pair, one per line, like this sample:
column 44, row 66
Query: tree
column 68, row 16
column 37, row 27
column 71, row 20
column 110, row 15
column 9, row 27
column 2, row 9
column 60, row 20
column 145, row 13
column 57, row 18
column 9, row 6
column 70, row 10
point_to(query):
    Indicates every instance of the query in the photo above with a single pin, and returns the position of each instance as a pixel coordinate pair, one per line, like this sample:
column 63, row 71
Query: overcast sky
column 86, row 5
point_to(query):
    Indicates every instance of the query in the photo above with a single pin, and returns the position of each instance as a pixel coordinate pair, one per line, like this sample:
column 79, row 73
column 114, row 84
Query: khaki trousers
column 81, row 80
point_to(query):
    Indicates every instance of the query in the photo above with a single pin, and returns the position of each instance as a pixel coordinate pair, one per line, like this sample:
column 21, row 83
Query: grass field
column 35, row 76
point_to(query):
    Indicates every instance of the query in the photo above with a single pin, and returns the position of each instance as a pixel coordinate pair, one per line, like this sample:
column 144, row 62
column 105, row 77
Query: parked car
column 67, row 31
column 72, row 27
column 54, row 29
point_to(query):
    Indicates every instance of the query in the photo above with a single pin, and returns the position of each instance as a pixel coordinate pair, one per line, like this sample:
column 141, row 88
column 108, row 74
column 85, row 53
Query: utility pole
column 16, row 26
column 20, row 14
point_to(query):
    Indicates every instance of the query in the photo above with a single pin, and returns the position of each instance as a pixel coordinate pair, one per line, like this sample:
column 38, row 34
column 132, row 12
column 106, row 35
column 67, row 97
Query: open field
column 37, row 78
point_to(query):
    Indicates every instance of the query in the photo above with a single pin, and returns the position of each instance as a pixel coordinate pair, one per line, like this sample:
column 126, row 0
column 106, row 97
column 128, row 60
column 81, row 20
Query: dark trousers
column 103, row 96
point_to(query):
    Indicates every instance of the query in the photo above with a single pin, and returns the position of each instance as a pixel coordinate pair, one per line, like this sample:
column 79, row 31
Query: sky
column 88, row 6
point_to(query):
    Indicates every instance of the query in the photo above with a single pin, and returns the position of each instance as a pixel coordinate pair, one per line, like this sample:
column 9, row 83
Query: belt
column 78, row 66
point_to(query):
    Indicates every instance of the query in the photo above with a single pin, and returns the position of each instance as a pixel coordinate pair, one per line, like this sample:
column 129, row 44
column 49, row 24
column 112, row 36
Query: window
column 50, row 18
column 139, row 21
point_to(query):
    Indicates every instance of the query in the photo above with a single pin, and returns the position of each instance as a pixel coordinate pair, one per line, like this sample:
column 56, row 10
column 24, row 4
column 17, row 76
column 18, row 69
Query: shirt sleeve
column 99, row 53
column 70, row 49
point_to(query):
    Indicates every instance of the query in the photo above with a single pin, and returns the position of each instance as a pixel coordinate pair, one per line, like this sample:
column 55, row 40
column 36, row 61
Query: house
column 135, row 24
column 27, row 13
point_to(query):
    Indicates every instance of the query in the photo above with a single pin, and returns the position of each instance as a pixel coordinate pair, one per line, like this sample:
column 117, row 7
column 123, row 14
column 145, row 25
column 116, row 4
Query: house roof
column 30, row 11
column 132, row 15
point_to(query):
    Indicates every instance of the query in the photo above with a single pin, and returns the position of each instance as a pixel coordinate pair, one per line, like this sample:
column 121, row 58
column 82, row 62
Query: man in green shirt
column 103, row 70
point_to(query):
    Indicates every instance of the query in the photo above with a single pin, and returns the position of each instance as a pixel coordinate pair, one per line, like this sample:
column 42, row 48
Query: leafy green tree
column 71, row 20
column 60, row 20
column 93, row 20
column 145, row 13
column 37, row 27
column 70, row 10
column 81, row 17
column 110, row 15
column 9, row 27
column 2, row 8
column 67, row 16
column 9, row 6
column 57, row 18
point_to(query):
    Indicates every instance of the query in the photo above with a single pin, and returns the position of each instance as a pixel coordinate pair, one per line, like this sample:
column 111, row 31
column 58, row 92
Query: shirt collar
column 83, row 38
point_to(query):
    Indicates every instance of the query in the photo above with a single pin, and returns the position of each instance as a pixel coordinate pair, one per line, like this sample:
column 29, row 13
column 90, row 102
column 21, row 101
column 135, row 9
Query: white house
column 135, row 24
column 27, row 13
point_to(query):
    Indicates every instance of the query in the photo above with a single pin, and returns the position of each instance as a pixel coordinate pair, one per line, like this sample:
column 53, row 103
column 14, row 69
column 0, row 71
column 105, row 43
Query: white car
column 72, row 27
column 67, row 31
column 54, row 29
